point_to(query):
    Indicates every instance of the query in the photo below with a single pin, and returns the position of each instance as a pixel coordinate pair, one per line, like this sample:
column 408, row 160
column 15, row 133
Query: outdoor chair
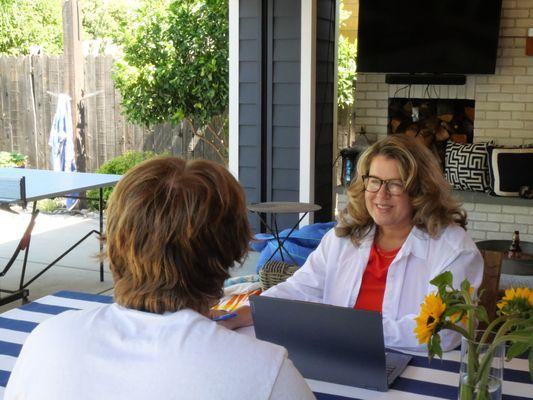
column 495, row 262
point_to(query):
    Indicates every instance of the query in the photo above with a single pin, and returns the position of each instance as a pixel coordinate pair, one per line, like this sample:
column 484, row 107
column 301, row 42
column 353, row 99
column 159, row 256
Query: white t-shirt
column 112, row 352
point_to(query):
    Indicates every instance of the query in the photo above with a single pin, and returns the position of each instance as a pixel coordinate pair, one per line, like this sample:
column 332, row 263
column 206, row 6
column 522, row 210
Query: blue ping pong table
column 22, row 186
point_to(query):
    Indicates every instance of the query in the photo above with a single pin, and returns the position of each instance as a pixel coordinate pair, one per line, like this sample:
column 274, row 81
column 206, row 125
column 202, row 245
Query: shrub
column 12, row 159
column 119, row 166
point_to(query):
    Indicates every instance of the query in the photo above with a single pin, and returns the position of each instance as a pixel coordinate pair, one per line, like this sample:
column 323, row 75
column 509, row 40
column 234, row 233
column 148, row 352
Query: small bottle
column 514, row 249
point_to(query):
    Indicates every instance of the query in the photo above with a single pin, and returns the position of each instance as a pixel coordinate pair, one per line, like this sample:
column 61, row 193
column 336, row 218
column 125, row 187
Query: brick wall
column 491, row 221
column 504, row 113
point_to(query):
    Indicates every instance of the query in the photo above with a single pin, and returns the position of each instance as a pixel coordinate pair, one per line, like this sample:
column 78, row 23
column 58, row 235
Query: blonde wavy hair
column 434, row 206
column 174, row 228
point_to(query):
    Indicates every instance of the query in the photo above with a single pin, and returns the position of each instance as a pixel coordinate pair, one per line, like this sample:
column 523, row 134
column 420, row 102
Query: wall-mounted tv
column 428, row 36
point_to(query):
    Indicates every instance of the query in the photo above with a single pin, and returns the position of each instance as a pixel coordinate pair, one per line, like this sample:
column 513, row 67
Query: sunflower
column 461, row 316
column 431, row 311
column 516, row 300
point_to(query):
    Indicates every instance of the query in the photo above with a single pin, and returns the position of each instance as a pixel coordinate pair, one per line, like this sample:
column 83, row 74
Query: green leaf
column 481, row 314
column 516, row 349
column 465, row 285
column 434, row 347
column 531, row 363
column 444, row 279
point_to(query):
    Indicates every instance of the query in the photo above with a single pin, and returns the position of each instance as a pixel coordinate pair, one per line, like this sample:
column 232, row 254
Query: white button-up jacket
column 333, row 273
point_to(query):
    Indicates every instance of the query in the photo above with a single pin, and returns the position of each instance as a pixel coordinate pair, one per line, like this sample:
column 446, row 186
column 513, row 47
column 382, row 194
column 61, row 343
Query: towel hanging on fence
column 61, row 140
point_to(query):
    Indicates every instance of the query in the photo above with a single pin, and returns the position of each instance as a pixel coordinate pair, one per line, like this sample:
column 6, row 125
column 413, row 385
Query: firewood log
column 458, row 137
column 394, row 124
column 445, row 117
column 442, row 134
column 470, row 113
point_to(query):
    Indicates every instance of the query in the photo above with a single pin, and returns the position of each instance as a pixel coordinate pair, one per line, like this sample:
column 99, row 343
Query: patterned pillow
column 466, row 166
column 510, row 168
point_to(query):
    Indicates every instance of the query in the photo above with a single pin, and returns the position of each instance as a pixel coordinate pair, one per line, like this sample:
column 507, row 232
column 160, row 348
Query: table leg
column 101, row 208
column 24, row 244
column 275, row 233
column 27, row 239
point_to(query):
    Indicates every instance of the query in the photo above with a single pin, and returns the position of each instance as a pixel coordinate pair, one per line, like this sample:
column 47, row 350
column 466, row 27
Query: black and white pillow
column 466, row 166
column 510, row 168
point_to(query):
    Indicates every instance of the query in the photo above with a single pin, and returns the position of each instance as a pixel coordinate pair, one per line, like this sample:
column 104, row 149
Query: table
column 43, row 184
column 282, row 207
column 515, row 272
column 419, row 381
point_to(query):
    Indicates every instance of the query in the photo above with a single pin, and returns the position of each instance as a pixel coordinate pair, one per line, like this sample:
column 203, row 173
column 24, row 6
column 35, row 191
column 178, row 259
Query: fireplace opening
column 433, row 121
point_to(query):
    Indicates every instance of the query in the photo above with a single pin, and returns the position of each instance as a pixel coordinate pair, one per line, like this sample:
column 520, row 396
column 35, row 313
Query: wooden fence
column 27, row 106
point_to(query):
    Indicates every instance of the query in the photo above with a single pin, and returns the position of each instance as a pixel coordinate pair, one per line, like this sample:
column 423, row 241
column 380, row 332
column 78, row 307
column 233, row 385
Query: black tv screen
column 428, row 36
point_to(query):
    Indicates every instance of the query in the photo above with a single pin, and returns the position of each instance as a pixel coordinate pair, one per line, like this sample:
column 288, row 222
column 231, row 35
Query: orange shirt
column 374, row 279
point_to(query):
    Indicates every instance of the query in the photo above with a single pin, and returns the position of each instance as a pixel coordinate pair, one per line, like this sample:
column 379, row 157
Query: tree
column 107, row 20
column 346, row 75
column 25, row 23
column 175, row 66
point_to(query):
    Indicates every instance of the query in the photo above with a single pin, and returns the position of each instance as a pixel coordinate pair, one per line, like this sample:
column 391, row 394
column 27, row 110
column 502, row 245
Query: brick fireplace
column 503, row 113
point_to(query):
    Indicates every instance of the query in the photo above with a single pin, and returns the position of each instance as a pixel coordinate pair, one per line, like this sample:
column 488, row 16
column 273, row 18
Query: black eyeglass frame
column 381, row 182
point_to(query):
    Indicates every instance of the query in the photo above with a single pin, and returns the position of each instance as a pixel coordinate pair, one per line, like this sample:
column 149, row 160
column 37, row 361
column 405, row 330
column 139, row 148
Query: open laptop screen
column 327, row 343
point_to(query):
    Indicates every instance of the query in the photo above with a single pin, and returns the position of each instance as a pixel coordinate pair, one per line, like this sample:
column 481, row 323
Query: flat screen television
column 428, row 36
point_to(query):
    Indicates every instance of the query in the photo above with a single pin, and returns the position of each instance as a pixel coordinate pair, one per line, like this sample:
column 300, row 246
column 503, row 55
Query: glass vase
column 481, row 372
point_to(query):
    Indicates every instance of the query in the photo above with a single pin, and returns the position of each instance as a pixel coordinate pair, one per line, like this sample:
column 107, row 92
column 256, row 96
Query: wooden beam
column 74, row 78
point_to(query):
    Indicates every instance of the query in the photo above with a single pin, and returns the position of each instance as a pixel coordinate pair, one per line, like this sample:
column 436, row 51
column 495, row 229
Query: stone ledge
column 476, row 197
column 485, row 198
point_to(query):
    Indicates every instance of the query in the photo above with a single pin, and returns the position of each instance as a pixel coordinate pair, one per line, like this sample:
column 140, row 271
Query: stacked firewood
column 431, row 123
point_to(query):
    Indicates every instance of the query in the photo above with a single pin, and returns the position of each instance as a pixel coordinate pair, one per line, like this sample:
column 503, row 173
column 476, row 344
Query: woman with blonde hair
column 402, row 227
column 174, row 228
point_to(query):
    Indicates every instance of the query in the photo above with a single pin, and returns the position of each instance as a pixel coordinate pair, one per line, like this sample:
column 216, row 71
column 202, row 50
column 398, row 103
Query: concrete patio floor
column 52, row 235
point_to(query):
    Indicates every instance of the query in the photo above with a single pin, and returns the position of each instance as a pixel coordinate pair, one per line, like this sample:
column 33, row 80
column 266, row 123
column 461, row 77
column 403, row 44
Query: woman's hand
column 243, row 317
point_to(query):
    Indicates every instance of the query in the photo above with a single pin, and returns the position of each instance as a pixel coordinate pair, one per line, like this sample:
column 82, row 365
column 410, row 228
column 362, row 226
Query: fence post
column 74, row 79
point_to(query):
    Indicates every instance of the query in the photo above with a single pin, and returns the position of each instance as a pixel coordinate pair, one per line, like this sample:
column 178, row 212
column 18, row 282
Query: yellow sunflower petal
column 431, row 311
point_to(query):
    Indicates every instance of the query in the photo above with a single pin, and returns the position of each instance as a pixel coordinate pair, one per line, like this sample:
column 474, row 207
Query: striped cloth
column 419, row 381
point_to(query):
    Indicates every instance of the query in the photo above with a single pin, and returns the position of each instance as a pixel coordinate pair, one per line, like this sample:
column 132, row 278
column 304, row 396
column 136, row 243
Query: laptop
column 329, row 343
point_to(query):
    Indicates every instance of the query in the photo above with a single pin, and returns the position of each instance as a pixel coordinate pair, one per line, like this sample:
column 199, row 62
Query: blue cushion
column 299, row 245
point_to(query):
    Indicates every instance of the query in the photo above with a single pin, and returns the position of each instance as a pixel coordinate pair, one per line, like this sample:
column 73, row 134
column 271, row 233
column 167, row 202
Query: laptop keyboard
column 389, row 369
column 389, row 365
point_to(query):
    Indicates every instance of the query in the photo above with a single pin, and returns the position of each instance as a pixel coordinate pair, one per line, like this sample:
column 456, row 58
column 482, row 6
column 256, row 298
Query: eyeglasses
column 395, row 187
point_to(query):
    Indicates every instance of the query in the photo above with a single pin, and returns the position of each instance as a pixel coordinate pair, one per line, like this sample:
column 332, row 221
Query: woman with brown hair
column 174, row 228
column 402, row 227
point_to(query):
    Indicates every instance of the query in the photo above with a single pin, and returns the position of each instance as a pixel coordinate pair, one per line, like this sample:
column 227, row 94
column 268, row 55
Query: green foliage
column 24, row 23
column 50, row 205
column 107, row 20
column 119, row 166
column 12, row 159
column 175, row 62
column 346, row 72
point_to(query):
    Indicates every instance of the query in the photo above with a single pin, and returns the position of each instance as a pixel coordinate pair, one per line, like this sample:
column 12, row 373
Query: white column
column 307, row 104
column 233, row 111
column 335, row 109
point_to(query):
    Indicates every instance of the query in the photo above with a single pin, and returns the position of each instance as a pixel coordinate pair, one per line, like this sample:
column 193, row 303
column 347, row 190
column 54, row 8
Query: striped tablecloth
column 420, row 380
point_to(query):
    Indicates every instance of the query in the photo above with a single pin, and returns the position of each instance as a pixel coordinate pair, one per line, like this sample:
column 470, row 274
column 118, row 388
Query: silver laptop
column 329, row 343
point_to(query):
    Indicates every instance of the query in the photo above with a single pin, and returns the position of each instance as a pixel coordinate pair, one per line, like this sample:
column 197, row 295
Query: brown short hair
column 434, row 206
column 174, row 228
